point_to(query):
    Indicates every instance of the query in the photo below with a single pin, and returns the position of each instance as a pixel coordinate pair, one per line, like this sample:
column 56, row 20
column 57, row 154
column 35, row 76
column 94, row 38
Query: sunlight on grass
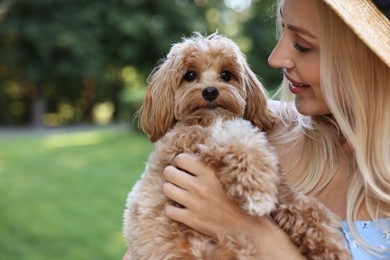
column 62, row 196
column 63, row 140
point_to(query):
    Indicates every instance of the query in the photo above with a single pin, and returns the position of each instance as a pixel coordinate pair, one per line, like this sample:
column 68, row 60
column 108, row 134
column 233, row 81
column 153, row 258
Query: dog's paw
column 244, row 163
column 258, row 204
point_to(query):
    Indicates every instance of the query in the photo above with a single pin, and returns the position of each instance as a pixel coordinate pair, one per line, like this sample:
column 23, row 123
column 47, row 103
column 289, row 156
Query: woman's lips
column 294, row 86
column 297, row 89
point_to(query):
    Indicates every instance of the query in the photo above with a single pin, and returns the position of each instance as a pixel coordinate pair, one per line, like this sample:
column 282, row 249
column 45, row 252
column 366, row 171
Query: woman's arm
column 207, row 209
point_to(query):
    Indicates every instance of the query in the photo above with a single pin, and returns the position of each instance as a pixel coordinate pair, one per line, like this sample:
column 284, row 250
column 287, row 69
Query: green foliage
column 62, row 195
column 260, row 28
column 73, row 53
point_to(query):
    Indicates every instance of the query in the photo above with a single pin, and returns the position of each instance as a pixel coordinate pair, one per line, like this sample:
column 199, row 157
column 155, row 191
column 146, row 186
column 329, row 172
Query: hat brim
column 368, row 23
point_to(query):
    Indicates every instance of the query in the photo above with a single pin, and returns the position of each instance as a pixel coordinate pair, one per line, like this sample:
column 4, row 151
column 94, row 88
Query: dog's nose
column 210, row 93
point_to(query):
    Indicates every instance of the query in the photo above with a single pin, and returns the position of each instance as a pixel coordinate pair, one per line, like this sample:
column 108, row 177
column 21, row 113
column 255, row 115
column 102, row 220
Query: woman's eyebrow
column 296, row 28
column 301, row 31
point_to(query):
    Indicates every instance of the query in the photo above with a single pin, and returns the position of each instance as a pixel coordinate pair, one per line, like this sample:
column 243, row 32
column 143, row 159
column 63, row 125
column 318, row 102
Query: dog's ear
column 257, row 110
column 157, row 111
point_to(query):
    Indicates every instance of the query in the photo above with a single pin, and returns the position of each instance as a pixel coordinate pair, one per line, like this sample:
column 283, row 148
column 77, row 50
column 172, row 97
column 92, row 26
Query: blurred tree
column 139, row 33
column 52, row 52
column 260, row 27
column 59, row 58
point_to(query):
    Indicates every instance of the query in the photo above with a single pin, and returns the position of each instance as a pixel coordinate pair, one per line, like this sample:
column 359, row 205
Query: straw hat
column 370, row 20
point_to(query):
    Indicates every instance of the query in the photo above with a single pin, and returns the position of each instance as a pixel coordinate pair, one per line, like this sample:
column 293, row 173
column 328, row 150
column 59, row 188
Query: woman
column 333, row 140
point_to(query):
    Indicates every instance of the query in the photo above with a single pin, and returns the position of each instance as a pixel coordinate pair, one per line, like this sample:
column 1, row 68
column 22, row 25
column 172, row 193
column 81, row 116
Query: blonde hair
column 357, row 85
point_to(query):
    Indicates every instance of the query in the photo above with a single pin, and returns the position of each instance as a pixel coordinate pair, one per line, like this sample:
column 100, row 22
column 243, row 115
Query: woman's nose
column 281, row 56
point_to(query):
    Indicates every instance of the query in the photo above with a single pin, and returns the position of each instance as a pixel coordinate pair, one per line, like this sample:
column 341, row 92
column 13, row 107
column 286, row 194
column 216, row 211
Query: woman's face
column 298, row 53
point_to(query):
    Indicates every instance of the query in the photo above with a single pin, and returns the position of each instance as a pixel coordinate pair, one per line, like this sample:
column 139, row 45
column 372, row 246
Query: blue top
column 376, row 235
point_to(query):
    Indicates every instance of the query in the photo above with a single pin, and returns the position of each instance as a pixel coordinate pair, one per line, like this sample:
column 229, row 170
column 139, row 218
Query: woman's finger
column 175, row 213
column 178, row 177
column 191, row 164
column 185, row 216
column 176, row 194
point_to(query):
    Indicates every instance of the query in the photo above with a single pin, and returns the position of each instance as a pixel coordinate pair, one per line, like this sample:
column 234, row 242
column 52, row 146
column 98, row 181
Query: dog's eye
column 190, row 76
column 226, row 75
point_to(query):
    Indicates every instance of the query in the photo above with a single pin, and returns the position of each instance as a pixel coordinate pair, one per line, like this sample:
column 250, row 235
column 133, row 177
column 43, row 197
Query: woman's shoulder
column 286, row 114
column 274, row 105
column 285, row 130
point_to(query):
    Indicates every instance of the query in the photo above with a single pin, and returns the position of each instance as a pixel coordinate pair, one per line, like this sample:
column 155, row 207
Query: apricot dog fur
column 203, row 99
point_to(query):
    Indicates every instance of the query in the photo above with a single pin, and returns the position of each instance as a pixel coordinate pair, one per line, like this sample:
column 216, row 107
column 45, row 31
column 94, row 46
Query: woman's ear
column 257, row 110
column 157, row 111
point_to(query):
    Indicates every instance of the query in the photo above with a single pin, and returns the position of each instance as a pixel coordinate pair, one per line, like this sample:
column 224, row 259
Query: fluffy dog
column 204, row 99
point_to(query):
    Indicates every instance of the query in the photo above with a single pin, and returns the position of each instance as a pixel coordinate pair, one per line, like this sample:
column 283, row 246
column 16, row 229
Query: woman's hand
column 206, row 207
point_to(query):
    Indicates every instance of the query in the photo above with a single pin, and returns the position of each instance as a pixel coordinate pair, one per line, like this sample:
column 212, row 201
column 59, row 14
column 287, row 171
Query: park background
column 72, row 75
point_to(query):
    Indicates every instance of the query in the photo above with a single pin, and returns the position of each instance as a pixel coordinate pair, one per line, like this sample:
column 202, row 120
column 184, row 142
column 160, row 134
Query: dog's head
column 202, row 77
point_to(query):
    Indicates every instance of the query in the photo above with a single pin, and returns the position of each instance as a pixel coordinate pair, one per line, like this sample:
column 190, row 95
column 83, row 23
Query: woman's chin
column 311, row 108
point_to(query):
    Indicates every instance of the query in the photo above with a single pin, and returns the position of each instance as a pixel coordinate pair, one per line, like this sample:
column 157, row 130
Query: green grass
column 62, row 195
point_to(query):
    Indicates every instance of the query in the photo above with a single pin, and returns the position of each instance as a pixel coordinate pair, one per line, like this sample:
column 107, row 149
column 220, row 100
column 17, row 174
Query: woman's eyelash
column 300, row 48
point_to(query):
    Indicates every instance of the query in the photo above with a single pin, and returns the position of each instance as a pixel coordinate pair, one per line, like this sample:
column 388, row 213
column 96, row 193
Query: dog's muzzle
column 210, row 93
